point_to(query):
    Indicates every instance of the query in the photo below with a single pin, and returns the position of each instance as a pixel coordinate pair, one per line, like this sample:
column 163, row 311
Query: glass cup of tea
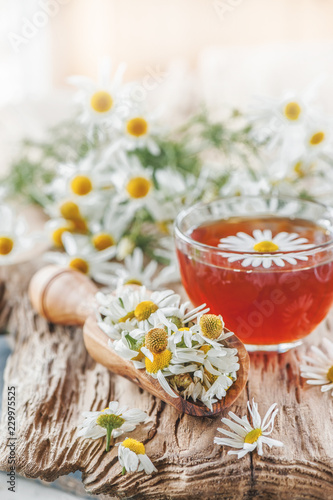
column 265, row 263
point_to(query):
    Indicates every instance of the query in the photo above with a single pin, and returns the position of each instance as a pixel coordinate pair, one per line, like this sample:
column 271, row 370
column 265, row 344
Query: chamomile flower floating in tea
column 14, row 237
column 132, row 457
column 319, row 367
column 110, row 422
column 246, row 437
column 267, row 247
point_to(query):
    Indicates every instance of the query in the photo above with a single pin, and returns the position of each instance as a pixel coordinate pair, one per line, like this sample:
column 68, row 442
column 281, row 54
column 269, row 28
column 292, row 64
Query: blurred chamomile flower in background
column 81, row 256
column 134, row 185
column 138, row 131
column 133, row 272
column 79, row 180
column 104, row 102
column 278, row 120
column 15, row 240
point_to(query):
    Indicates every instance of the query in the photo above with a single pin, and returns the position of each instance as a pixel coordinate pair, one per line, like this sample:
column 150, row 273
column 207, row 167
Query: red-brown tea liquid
column 262, row 306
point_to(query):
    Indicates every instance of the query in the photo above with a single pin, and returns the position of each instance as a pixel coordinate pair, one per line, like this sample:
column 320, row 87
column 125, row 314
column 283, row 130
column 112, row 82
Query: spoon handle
column 62, row 295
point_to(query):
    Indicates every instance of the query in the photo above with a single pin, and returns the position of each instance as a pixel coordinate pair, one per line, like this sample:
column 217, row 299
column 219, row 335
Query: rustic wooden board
column 56, row 379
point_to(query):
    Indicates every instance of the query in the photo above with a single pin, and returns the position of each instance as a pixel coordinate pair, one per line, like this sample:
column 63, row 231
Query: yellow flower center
column 138, row 357
column 129, row 315
column 292, row 111
column 111, row 420
column 69, row 210
column 6, row 245
column 330, row 374
column 57, row 235
column 137, row 127
column 81, row 185
column 163, row 226
column 265, row 246
column 144, row 310
column 182, row 381
column 138, row 187
column 134, row 445
column 102, row 241
column 133, row 282
column 211, row 326
column 205, row 348
column 298, row 169
column 211, row 378
column 317, row 138
column 156, row 340
column 80, row 265
column 80, row 225
column 252, row 436
column 161, row 361
column 101, row 101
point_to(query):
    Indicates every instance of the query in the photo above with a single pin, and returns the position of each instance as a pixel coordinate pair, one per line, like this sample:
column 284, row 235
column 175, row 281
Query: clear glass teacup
column 265, row 263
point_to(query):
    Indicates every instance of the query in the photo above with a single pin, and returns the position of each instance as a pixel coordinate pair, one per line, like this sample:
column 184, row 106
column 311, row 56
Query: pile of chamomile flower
column 182, row 348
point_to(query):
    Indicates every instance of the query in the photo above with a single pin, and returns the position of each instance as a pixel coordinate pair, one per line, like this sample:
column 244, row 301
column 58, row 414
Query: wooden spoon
column 66, row 297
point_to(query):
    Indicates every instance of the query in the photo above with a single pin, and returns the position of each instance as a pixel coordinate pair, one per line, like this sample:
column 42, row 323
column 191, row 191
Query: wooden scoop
column 66, row 297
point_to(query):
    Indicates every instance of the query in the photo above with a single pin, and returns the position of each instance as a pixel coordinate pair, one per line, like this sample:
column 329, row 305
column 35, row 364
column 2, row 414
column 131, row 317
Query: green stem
column 108, row 436
column 123, row 471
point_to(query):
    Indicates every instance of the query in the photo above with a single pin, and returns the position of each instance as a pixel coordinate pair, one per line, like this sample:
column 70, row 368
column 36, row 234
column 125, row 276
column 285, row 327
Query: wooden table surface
column 56, row 380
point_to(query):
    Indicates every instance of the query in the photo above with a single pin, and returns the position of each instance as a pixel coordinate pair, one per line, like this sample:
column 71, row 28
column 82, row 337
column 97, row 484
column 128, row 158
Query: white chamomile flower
column 134, row 185
column 110, row 422
column 14, row 240
column 241, row 182
column 81, row 256
column 129, row 346
column 265, row 249
column 104, row 101
column 219, row 359
column 180, row 315
column 166, row 363
column 80, row 211
column 319, row 367
column 210, row 330
column 137, row 133
column 246, row 437
column 110, row 230
column 279, row 120
column 132, row 457
column 55, row 228
column 77, row 181
column 133, row 272
column 318, row 140
column 135, row 306
column 217, row 388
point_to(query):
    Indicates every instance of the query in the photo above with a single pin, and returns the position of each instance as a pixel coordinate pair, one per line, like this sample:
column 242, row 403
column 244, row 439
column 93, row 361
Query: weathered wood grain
column 56, row 379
